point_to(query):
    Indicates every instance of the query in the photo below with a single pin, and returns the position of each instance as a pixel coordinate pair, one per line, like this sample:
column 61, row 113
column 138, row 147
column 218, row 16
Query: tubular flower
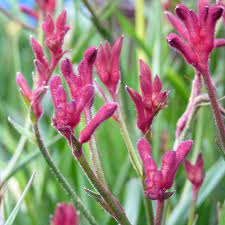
column 85, row 69
column 195, row 173
column 68, row 114
column 108, row 66
column 55, row 34
column 44, row 70
column 45, row 6
column 65, row 214
column 196, row 31
column 152, row 99
column 159, row 181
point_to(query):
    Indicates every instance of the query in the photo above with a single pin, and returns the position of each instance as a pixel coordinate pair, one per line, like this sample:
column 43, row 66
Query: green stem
column 95, row 152
column 159, row 218
column 123, row 129
column 61, row 179
column 192, row 212
column 214, row 106
column 112, row 202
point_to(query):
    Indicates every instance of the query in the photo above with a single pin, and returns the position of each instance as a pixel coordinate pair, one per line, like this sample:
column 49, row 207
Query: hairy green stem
column 159, row 218
column 95, row 152
column 112, row 202
column 61, row 179
column 214, row 106
column 192, row 212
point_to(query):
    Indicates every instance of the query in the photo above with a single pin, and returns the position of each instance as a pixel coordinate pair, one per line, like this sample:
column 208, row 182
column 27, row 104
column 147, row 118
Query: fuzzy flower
column 152, row 99
column 65, row 214
column 68, row 114
column 45, row 7
column 195, row 173
column 44, row 68
column 85, row 69
column 159, row 181
column 55, row 33
column 196, row 32
column 108, row 65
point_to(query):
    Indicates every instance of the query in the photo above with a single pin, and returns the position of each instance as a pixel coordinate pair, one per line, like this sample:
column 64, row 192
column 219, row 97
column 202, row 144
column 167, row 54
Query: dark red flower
column 152, row 99
column 159, row 181
column 195, row 172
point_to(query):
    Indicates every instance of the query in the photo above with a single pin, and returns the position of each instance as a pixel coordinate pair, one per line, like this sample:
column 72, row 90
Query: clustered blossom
column 152, row 99
column 44, row 68
column 65, row 214
column 195, row 173
column 45, row 7
column 85, row 69
column 108, row 66
column 196, row 31
column 159, row 181
column 68, row 114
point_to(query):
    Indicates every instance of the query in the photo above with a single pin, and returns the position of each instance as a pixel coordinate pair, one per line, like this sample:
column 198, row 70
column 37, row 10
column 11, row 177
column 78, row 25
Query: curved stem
column 112, row 202
column 95, row 158
column 159, row 218
column 61, row 179
column 214, row 106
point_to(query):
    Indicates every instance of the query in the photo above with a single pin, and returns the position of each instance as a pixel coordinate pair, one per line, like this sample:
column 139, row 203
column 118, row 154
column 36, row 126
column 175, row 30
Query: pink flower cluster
column 152, row 99
column 196, row 31
column 159, row 181
column 68, row 114
column 65, row 214
column 195, row 173
column 45, row 7
column 44, row 68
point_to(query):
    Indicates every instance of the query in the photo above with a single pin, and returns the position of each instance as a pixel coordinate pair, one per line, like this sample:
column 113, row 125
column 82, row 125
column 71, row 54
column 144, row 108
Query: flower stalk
column 159, row 218
column 112, row 202
column 214, row 106
column 60, row 178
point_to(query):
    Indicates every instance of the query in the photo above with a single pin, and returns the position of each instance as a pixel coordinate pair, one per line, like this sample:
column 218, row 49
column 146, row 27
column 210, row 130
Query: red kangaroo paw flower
column 152, row 99
column 159, row 181
column 108, row 65
column 103, row 114
column 65, row 215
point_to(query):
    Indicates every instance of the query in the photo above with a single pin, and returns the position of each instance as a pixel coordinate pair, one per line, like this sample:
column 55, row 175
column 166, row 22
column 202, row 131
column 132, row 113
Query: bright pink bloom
column 45, row 6
column 85, row 69
column 108, row 65
column 67, row 114
column 196, row 32
column 195, row 173
column 103, row 114
column 159, row 181
column 152, row 99
column 44, row 69
column 55, row 33
column 65, row 215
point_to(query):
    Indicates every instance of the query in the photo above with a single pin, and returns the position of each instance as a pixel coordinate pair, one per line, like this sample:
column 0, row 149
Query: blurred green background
column 144, row 36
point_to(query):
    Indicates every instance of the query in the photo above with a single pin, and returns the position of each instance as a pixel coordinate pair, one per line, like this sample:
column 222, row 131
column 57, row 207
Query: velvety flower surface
column 196, row 32
column 44, row 68
column 108, row 65
column 195, row 172
column 159, row 181
column 152, row 99
column 85, row 69
column 65, row 215
column 67, row 114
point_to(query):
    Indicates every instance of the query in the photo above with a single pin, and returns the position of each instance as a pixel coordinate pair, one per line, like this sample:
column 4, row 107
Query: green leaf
column 22, row 130
column 133, row 199
column 212, row 178
column 15, row 211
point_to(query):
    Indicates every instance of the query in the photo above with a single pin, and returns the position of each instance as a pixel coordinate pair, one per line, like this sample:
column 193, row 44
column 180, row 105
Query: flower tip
column 66, row 67
column 181, row 11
